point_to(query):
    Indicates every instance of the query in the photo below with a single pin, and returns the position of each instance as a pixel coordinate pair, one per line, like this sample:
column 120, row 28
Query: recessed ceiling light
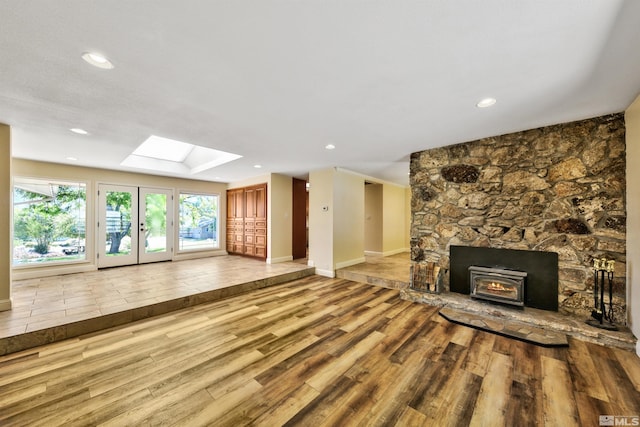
column 486, row 102
column 330, row 147
column 79, row 131
column 257, row 166
column 73, row 159
column 97, row 60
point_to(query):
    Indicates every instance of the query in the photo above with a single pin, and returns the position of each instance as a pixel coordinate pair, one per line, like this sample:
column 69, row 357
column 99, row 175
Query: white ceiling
column 277, row 80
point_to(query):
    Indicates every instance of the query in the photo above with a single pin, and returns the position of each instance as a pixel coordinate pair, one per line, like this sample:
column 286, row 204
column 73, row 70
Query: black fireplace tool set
column 602, row 314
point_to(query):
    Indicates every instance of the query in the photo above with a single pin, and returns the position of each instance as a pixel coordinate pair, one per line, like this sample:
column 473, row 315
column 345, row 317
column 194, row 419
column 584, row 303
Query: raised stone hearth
column 559, row 322
column 393, row 272
column 505, row 327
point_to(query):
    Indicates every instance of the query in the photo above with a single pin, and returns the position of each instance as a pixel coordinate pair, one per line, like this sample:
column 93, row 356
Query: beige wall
column 386, row 215
column 347, row 218
column 280, row 210
column 336, row 220
column 6, row 209
column 407, row 217
column 321, row 219
column 261, row 179
column 394, row 220
column 93, row 177
column 632, row 119
column 348, row 223
column 373, row 219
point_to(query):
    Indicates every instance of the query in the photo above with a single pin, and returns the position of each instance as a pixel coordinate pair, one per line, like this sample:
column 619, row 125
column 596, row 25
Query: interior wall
column 632, row 120
column 250, row 181
column 6, row 211
column 321, row 218
column 94, row 176
column 279, row 216
column 373, row 228
column 348, row 224
column 395, row 234
column 407, row 218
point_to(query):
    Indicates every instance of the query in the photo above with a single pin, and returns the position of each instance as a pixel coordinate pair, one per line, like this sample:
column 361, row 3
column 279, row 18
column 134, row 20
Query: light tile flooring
column 43, row 303
column 385, row 271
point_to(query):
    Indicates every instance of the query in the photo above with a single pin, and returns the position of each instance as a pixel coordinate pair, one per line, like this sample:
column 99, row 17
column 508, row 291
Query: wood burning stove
column 497, row 284
column 541, row 290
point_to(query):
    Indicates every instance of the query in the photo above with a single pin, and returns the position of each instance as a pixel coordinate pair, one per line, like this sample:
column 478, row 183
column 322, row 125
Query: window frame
column 86, row 259
column 178, row 237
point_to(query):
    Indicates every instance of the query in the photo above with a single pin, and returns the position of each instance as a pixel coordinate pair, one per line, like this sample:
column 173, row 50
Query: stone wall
column 560, row 188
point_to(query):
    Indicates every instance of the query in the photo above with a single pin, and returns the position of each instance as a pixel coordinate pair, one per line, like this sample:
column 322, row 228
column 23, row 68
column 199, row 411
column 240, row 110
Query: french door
column 135, row 225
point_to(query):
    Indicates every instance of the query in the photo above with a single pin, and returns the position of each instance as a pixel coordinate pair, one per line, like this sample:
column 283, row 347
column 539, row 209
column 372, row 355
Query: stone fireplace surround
column 557, row 189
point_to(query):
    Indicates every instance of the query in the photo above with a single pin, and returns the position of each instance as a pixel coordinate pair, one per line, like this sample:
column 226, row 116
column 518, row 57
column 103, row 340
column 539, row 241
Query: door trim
column 167, row 255
column 136, row 254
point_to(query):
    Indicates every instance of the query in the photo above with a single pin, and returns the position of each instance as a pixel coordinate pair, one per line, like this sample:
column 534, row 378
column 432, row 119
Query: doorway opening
column 300, row 220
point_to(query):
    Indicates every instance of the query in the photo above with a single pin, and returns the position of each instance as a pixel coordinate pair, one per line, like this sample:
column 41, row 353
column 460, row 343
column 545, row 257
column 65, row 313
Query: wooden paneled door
column 235, row 221
column 247, row 221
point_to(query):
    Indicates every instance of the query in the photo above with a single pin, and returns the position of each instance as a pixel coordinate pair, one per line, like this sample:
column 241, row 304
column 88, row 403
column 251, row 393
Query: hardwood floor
column 315, row 351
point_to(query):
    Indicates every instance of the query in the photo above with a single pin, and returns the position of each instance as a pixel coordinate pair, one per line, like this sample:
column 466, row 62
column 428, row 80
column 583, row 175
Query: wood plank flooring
column 319, row 352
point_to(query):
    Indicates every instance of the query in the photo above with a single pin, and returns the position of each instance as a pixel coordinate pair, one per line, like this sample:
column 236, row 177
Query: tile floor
column 39, row 306
column 385, row 271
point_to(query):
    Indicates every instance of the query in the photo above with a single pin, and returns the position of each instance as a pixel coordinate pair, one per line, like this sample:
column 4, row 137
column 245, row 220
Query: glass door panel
column 117, row 231
column 156, row 225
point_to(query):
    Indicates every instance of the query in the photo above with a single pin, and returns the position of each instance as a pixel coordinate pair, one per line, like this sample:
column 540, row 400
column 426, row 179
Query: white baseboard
column 197, row 254
column 373, row 253
column 396, row 251
column 350, row 262
column 48, row 271
column 387, row 253
column 325, row 273
column 5, row 305
column 280, row 259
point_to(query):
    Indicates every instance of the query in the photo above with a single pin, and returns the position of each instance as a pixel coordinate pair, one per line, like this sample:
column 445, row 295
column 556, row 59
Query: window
column 198, row 222
column 49, row 221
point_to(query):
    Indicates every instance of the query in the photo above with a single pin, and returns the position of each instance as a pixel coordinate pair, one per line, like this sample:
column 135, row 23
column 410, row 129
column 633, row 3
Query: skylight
column 168, row 155
column 160, row 148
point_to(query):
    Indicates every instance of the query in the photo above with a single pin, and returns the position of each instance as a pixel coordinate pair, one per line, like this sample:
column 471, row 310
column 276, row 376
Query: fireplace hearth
column 497, row 285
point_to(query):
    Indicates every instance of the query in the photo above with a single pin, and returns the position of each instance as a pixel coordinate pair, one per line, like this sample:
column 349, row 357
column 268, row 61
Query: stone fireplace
column 558, row 189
